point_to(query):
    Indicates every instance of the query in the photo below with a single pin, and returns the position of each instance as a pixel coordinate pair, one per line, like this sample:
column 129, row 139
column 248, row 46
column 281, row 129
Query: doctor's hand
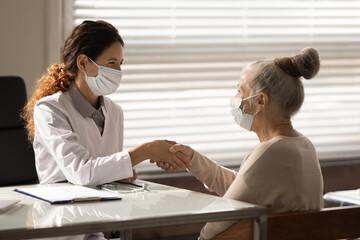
column 186, row 151
column 134, row 177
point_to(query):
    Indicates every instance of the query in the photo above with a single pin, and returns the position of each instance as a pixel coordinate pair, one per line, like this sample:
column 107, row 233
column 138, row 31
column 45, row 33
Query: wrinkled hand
column 161, row 154
column 178, row 149
column 134, row 177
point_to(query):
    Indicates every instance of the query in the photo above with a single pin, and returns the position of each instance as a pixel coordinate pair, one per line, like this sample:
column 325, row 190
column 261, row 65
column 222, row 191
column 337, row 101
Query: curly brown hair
column 90, row 38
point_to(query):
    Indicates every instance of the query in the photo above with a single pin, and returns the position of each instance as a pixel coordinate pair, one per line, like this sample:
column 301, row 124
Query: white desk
column 343, row 198
column 161, row 206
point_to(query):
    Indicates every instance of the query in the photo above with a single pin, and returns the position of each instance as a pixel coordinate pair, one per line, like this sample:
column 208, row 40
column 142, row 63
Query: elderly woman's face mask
column 242, row 119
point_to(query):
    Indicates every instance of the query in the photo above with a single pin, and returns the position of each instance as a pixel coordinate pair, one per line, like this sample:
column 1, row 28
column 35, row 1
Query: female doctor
column 77, row 133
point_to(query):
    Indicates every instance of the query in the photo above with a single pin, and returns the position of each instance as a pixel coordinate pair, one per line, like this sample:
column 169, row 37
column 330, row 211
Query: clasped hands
column 170, row 155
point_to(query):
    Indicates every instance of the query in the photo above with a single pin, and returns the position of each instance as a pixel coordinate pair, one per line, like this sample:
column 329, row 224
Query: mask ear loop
column 250, row 98
column 93, row 62
column 257, row 112
column 260, row 107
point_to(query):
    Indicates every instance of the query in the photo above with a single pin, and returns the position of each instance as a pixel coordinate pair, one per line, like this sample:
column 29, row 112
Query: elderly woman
column 282, row 172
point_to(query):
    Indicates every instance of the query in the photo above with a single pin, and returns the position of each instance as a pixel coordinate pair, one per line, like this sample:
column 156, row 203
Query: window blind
column 183, row 59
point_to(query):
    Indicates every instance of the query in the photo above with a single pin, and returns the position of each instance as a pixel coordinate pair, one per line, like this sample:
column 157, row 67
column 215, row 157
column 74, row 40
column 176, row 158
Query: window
column 183, row 59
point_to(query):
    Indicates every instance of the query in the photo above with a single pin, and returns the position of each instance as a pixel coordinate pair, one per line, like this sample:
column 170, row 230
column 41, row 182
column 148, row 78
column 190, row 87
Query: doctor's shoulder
column 113, row 108
column 57, row 102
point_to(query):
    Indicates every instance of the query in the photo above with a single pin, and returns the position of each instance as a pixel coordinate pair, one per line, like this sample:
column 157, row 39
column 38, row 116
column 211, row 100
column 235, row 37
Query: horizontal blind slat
column 183, row 59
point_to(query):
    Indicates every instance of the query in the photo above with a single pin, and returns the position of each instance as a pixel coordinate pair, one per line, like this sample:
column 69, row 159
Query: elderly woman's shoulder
column 282, row 148
column 282, row 143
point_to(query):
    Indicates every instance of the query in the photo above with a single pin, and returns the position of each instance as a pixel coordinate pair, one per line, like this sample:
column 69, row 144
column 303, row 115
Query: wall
column 22, row 41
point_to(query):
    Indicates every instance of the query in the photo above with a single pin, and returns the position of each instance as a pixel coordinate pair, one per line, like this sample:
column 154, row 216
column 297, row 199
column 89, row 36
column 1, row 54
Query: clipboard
column 67, row 194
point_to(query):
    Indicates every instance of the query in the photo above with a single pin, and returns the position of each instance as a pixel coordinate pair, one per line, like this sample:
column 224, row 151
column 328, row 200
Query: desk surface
column 348, row 197
column 161, row 206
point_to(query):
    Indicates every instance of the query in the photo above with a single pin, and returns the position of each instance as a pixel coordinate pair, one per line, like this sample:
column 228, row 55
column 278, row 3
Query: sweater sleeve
column 215, row 177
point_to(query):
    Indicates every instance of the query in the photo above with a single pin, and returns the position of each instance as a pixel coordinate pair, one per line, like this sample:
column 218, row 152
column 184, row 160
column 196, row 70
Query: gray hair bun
column 306, row 64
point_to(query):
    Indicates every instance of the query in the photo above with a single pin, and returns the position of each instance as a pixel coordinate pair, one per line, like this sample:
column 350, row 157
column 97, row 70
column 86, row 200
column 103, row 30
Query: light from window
column 183, row 59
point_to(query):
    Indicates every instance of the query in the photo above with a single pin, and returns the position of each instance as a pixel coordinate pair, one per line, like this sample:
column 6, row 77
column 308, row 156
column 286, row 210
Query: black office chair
column 17, row 160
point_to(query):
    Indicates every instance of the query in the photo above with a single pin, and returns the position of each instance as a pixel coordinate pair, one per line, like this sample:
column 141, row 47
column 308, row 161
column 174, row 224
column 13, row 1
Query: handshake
column 167, row 155
column 170, row 155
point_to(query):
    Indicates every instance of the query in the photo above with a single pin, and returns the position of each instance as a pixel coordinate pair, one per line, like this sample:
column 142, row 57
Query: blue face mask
column 106, row 82
column 244, row 120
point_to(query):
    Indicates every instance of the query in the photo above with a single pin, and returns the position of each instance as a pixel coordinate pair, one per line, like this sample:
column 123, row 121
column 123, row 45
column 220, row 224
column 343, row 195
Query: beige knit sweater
column 282, row 174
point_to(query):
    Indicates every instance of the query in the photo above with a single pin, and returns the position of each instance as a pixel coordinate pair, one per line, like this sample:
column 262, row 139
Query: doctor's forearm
column 139, row 153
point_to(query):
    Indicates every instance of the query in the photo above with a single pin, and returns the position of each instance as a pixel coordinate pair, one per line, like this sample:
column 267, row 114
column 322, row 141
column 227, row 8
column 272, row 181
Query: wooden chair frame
column 325, row 224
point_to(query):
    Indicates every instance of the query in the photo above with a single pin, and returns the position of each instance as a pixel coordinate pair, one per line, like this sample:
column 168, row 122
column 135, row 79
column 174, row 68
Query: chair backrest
column 17, row 160
column 325, row 224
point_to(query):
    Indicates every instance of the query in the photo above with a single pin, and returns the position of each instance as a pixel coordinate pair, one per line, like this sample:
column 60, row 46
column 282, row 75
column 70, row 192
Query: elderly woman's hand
column 182, row 151
column 168, row 168
column 166, row 159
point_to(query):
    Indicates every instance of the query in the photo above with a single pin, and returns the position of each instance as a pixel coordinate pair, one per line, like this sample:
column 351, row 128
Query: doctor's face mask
column 244, row 120
column 106, row 82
